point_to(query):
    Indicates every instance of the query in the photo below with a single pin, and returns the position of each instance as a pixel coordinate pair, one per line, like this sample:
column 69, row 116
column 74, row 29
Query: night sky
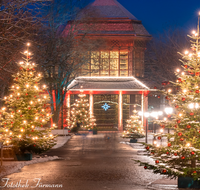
column 159, row 15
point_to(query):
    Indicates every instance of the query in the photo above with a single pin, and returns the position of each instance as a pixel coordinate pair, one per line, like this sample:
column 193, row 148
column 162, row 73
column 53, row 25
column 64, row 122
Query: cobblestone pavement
column 92, row 162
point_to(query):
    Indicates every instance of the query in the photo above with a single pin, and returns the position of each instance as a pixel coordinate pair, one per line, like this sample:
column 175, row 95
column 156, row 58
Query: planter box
column 188, row 182
column 133, row 140
column 24, row 157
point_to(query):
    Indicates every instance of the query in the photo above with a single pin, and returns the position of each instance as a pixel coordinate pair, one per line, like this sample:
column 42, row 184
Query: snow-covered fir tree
column 181, row 155
column 134, row 128
column 80, row 114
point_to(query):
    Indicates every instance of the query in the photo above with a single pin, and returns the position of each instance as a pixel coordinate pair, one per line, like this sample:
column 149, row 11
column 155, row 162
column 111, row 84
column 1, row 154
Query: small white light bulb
column 169, row 90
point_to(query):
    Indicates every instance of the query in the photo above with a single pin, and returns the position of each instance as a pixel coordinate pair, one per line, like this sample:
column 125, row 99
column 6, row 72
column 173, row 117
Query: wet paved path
column 92, row 162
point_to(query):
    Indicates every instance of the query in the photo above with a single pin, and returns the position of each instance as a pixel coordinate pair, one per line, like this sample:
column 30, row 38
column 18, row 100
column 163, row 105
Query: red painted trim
column 54, row 99
column 110, row 92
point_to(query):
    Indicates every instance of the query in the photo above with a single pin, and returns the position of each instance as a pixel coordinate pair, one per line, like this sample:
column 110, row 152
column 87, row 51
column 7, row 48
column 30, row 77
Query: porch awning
column 108, row 84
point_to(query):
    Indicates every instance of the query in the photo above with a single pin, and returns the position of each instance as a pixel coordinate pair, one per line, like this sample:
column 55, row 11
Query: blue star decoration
column 105, row 106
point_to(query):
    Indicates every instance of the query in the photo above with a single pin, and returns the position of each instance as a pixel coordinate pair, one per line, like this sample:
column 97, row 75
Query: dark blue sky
column 159, row 15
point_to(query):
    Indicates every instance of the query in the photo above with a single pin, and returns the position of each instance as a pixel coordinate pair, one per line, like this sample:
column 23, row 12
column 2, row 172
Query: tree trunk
column 193, row 163
column 56, row 115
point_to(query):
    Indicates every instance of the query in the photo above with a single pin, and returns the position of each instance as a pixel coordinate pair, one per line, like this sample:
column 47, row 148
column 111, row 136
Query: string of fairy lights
column 80, row 113
column 26, row 109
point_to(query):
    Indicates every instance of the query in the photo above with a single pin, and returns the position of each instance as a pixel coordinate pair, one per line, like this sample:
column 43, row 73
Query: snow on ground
column 146, row 175
column 61, row 140
column 10, row 167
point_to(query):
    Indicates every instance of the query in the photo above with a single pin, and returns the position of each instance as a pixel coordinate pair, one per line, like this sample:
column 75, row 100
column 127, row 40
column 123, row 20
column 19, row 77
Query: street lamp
column 168, row 110
column 146, row 115
column 150, row 114
column 154, row 114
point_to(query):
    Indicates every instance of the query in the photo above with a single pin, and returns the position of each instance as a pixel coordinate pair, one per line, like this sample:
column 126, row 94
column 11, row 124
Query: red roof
column 104, row 3
column 109, row 17
column 109, row 9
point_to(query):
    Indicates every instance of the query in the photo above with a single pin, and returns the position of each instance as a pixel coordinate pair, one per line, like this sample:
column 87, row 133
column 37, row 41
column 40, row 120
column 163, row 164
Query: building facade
column 113, row 77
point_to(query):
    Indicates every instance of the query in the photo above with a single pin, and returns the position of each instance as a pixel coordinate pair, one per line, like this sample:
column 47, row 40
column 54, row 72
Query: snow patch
column 12, row 167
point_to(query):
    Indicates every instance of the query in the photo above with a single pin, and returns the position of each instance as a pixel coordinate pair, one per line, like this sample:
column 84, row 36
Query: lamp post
column 147, row 115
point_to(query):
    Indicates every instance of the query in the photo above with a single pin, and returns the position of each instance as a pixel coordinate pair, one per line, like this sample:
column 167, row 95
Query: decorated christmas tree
column 134, row 128
column 181, row 156
column 26, row 111
column 80, row 114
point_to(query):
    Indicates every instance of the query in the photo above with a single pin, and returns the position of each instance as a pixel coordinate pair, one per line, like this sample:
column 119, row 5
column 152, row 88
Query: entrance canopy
column 107, row 84
column 119, row 94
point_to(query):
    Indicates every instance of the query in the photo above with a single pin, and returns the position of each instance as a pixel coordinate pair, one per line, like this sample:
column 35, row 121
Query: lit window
column 123, row 63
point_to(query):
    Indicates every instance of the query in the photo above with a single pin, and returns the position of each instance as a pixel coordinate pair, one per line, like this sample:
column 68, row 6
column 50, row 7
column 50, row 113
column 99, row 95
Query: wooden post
column 146, row 109
column 142, row 108
column 120, row 112
column 68, row 109
column 91, row 102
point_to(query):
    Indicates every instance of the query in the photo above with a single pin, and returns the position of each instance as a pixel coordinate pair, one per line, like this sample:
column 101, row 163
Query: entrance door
column 106, row 110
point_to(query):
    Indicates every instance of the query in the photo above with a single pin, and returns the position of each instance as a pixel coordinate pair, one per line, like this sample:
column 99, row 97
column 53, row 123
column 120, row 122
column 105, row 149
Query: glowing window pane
column 123, row 73
column 123, row 54
column 94, row 54
column 94, row 64
column 123, row 63
column 104, row 64
column 113, row 73
column 104, row 73
column 105, row 54
column 114, row 54
column 114, row 64
column 95, row 73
